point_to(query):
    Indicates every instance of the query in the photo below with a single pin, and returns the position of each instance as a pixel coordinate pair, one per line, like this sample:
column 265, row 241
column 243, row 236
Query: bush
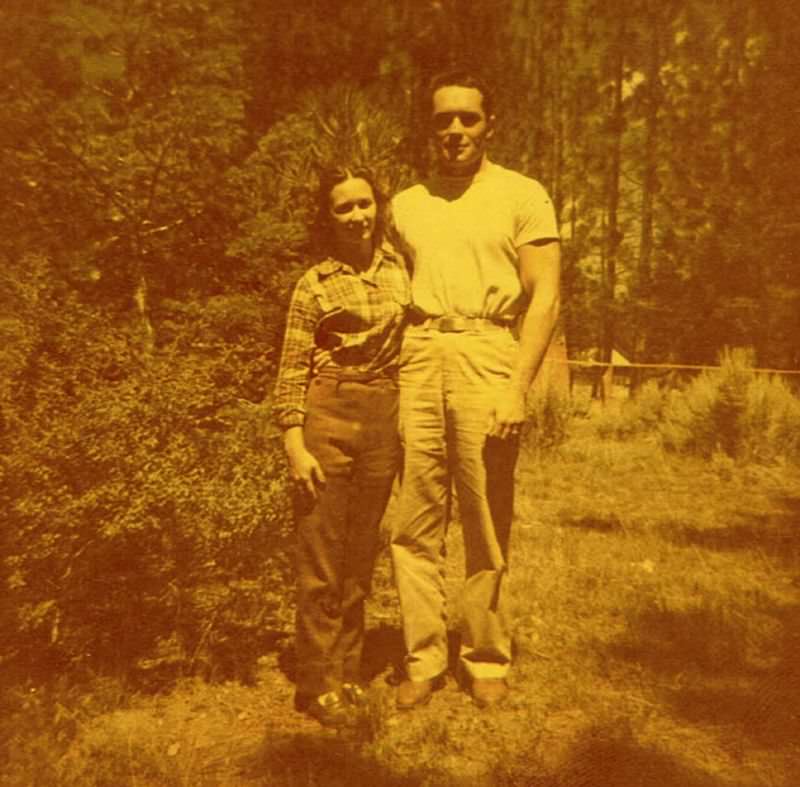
column 548, row 418
column 638, row 415
column 147, row 518
column 734, row 411
column 771, row 422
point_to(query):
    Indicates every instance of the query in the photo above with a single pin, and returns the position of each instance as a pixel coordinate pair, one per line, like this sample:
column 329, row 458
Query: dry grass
column 657, row 613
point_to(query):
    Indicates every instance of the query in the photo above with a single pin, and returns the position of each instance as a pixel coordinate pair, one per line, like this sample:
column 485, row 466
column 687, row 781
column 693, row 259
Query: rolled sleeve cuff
column 290, row 418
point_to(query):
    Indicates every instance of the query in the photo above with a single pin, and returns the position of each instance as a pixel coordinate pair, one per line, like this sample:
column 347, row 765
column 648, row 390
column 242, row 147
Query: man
column 483, row 245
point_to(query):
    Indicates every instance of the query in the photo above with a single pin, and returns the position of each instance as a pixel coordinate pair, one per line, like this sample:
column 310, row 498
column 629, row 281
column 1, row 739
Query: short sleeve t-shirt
column 461, row 236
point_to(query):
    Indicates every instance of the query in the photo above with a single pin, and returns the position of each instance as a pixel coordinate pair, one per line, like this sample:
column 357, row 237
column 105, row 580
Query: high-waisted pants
column 449, row 384
column 351, row 429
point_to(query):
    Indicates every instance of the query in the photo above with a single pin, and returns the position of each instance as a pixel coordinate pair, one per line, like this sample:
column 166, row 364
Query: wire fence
column 598, row 365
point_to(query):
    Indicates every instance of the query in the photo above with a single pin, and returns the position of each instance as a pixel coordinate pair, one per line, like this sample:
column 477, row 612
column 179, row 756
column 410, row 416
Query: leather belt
column 448, row 324
column 346, row 376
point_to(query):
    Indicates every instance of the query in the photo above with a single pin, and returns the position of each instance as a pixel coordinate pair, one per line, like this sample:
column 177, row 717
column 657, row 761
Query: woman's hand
column 303, row 465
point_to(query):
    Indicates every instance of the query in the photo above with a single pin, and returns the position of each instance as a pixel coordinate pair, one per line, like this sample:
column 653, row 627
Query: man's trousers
column 449, row 385
column 351, row 429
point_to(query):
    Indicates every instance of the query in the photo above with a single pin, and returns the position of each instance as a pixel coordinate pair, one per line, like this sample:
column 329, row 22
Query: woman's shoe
column 328, row 709
column 354, row 695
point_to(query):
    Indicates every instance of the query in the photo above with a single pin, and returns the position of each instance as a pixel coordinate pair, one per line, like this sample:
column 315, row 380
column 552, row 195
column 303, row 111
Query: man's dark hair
column 461, row 77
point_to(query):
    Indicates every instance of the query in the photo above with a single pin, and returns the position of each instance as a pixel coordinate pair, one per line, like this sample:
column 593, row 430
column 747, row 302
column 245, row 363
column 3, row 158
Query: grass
column 657, row 614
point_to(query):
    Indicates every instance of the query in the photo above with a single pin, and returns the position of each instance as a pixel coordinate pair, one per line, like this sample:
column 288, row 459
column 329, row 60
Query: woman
column 336, row 399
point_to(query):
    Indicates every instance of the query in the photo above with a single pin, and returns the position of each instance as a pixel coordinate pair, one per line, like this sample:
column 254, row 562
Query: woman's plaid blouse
column 341, row 321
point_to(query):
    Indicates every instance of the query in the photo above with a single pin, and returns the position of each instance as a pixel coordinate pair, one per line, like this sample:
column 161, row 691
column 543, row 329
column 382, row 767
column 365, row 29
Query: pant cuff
column 482, row 670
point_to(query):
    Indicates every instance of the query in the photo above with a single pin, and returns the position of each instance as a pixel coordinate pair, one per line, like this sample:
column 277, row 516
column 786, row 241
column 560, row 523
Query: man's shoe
column 489, row 691
column 328, row 709
column 415, row 693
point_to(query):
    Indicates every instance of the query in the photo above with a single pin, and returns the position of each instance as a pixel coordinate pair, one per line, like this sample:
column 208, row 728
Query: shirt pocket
column 337, row 293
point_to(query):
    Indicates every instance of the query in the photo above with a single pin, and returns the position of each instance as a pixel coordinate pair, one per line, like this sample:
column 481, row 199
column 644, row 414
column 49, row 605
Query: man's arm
column 540, row 275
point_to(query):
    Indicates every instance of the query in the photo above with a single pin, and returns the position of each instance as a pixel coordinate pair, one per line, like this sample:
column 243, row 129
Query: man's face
column 460, row 128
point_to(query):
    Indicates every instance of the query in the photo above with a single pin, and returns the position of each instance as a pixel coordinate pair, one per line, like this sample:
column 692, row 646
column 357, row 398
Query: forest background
column 158, row 162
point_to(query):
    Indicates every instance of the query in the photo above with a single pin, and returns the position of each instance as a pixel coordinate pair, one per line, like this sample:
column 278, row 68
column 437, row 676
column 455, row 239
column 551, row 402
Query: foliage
column 38, row 725
column 276, row 186
column 147, row 510
column 147, row 513
column 735, row 412
column 772, row 420
column 159, row 165
column 548, row 419
column 639, row 415
column 144, row 131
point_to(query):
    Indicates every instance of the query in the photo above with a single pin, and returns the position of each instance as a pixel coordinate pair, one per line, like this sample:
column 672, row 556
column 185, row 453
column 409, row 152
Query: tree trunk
column 649, row 186
column 140, row 298
column 613, row 236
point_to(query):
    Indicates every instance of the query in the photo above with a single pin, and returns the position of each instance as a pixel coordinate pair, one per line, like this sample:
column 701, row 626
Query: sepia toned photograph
column 400, row 394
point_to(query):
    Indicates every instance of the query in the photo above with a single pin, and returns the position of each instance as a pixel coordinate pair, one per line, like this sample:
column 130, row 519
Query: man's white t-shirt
column 461, row 236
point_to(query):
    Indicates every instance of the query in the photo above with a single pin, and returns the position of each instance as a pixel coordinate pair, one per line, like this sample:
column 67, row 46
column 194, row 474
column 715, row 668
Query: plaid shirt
column 340, row 320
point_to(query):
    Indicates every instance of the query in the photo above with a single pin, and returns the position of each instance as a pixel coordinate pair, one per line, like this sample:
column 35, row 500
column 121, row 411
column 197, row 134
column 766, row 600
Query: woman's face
column 353, row 211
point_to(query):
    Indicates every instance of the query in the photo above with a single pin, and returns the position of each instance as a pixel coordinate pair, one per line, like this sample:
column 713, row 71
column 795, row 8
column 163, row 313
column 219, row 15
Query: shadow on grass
column 320, row 759
column 715, row 667
column 732, row 666
column 597, row 524
column 605, row 756
column 776, row 535
column 601, row 757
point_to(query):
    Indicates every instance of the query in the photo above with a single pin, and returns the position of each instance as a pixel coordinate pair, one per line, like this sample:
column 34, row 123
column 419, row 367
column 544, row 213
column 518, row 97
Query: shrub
column 771, row 422
column 548, row 419
column 735, row 411
column 638, row 415
column 146, row 511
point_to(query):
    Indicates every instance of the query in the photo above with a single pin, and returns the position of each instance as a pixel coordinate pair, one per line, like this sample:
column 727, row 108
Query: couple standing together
column 414, row 357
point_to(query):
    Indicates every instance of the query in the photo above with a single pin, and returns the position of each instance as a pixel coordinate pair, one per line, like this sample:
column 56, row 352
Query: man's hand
column 508, row 415
column 303, row 465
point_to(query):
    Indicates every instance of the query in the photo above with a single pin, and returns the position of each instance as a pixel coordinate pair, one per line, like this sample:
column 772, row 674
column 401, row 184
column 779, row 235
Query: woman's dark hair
column 329, row 177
